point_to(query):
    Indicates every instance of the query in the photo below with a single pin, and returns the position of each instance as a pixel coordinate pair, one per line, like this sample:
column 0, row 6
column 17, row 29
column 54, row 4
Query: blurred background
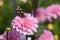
column 8, row 8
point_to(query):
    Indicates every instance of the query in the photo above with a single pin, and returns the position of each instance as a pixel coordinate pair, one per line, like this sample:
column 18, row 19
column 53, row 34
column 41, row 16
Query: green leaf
column 45, row 3
column 57, row 26
column 2, row 29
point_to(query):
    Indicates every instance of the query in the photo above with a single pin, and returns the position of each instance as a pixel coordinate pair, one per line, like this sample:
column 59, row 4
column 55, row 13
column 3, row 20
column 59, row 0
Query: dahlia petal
column 35, row 25
column 58, row 13
column 14, row 26
column 29, row 30
column 17, row 29
column 21, row 31
column 24, row 28
column 33, row 29
column 31, row 33
column 55, row 16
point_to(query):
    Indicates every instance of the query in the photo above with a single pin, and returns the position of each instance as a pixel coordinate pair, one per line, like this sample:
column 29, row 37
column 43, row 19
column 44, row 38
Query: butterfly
column 20, row 12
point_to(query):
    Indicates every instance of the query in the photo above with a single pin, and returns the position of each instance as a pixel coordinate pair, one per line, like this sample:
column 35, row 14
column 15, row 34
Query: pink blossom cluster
column 41, row 14
column 12, row 35
column 46, row 35
column 49, row 13
column 27, row 25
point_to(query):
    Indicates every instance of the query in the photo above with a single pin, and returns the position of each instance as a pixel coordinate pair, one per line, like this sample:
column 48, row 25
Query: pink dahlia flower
column 12, row 35
column 41, row 14
column 53, row 11
column 26, row 25
column 47, row 35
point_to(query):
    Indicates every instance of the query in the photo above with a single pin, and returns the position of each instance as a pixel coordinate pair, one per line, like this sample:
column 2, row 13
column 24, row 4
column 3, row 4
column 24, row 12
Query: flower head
column 47, row 35
column 12, row 35
column 53, row 11
column 41, row 14
column 26, row 25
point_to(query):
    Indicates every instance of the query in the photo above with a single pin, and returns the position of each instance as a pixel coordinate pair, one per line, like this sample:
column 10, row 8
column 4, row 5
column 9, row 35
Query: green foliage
column 40, row 29
column 57, row 27
column 45, row 3
column 6, row 15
